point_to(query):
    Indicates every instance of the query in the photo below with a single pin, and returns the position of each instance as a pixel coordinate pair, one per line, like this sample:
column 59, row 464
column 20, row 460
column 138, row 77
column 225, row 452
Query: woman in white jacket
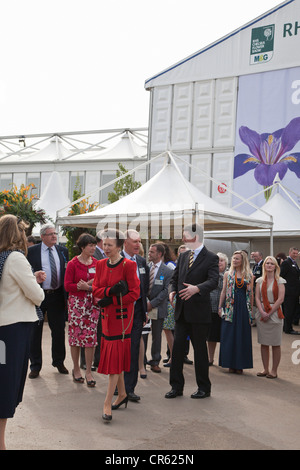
column 20, row 293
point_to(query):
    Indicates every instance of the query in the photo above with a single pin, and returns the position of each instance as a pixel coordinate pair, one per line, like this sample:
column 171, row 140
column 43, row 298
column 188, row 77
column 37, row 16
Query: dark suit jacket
column 257, row 270
column 158, row 295
column 205, row 274
column 35, row 259
column 292, row 276
column 144, row 280
column 98, row 254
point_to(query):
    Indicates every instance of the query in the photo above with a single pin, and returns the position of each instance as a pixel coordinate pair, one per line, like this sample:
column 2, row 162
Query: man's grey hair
column 45, row 227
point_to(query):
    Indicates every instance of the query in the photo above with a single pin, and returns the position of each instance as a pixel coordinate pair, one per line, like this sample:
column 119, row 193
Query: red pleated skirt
column 114, row 356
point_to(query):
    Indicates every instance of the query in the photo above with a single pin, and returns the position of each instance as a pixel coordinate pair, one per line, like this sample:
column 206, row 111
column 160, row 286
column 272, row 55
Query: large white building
column 231, row 111
column 195, row 103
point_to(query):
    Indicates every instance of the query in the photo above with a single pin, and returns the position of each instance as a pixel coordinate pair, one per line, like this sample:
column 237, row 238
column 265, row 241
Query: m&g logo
column 261, row 58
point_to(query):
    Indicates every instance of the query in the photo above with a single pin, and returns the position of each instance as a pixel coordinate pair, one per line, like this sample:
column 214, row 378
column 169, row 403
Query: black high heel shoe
column 90, row 383
column 124, row 401
column 106, row 417
column 77, row 380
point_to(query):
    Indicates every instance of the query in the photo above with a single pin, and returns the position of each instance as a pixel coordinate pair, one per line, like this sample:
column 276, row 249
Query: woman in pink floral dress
column 82, row 314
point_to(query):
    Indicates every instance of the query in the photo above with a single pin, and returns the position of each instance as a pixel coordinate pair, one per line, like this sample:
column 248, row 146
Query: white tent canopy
column 55, row 150
column 53, row 197
column 126, row 149
column 169, row 197
column 286, row 220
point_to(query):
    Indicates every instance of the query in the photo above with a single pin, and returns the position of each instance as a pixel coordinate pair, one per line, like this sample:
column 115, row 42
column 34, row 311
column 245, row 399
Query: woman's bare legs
column 89, row 356
column 276, row 355
column 265, row 356
column 121, row 389
column 142, row 369
column 2, row 433
column 75, row 353
column 170, row 341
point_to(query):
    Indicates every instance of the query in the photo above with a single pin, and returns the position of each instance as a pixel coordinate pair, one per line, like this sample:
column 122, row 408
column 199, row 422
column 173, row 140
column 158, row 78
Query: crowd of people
column 112, row 298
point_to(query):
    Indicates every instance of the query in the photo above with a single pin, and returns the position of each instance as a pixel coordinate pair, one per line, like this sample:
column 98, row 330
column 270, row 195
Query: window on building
column 76, row 181
column 34, row 178
column 5, row 181
column 106, row 178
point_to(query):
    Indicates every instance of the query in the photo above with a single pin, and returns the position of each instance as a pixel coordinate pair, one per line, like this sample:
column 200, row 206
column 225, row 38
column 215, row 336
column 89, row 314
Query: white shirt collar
column 128, row 256
column 198, row 249
column 45, row 247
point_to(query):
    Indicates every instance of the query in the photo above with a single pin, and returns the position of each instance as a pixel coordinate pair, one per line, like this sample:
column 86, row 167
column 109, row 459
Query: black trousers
column 131, row 377
column 198, row 334
column 54, row 306
column 290, row 310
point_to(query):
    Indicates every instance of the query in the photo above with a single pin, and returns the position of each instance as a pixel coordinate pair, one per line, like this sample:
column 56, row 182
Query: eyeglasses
column 50, row 234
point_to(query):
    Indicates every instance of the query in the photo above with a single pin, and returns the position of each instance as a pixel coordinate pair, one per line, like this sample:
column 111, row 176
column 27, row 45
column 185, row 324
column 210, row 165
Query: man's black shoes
column 200, row 394
column 173, row 393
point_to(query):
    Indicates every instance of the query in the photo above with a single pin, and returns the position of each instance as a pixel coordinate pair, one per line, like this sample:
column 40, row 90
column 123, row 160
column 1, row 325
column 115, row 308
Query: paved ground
column 244, row 412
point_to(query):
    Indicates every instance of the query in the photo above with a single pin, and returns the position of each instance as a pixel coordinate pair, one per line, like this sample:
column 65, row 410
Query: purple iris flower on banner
column 269, row 154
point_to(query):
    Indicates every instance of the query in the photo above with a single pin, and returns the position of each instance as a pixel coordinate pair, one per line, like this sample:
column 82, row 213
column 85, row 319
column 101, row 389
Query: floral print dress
column 83, row 315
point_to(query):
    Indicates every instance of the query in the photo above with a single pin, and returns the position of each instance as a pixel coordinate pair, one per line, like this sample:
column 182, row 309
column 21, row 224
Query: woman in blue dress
column 236, row 341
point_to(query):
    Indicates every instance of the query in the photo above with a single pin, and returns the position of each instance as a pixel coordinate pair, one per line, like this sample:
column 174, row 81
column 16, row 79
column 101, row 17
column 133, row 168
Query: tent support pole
column 271, row 237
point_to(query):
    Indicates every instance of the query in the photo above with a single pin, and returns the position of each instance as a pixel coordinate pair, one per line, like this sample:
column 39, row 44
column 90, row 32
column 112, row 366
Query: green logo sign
column 262, row 44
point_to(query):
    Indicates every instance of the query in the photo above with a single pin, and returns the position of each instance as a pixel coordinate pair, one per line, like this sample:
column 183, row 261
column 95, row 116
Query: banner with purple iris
column 267, row 135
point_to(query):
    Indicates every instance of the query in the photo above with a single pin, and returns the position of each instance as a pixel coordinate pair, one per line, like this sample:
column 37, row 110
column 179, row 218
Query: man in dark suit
column 99, row 253
column 195, row 276
column 52, row 259
column 257, row 268
column 131, row 250
column 257, row 272
column 159, row 278
column 290, row 271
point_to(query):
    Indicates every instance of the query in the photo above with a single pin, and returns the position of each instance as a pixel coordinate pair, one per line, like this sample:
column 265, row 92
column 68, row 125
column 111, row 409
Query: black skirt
column 14, row 357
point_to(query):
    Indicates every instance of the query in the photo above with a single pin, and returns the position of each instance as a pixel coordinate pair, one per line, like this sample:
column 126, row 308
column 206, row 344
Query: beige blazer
column 19, row 291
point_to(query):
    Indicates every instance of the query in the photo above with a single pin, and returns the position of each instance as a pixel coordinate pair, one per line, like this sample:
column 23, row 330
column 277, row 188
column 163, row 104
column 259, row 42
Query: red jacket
column 76, row 271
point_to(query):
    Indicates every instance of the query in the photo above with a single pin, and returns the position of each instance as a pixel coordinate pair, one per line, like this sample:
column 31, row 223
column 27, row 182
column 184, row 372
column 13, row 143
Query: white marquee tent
column 167, row 198
column 52, row 199
column 286, row 219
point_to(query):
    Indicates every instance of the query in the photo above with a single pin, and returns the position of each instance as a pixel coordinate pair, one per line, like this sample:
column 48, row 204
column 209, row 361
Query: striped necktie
column 53, row 270
column 151, row 277
column 191, row 258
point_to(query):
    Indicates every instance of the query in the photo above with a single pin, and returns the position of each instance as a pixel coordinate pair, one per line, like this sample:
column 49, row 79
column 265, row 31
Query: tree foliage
column 72, row 233
column 124, row 186
column 20, row 202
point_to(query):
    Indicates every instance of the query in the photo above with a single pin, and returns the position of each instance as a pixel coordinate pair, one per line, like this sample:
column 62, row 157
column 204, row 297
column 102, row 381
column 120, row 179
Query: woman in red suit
column 117, row 286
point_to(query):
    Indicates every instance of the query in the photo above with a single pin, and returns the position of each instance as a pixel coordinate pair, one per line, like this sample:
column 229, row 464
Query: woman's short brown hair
column 12, row 233
column 85, row 239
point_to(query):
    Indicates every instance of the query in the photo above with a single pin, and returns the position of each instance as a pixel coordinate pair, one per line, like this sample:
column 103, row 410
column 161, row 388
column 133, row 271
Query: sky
column 70, row 65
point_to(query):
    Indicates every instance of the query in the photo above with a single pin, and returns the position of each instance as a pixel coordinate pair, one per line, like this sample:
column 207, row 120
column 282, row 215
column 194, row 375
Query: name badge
column 92, row 270
column 158, row 282
column 142, row 270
